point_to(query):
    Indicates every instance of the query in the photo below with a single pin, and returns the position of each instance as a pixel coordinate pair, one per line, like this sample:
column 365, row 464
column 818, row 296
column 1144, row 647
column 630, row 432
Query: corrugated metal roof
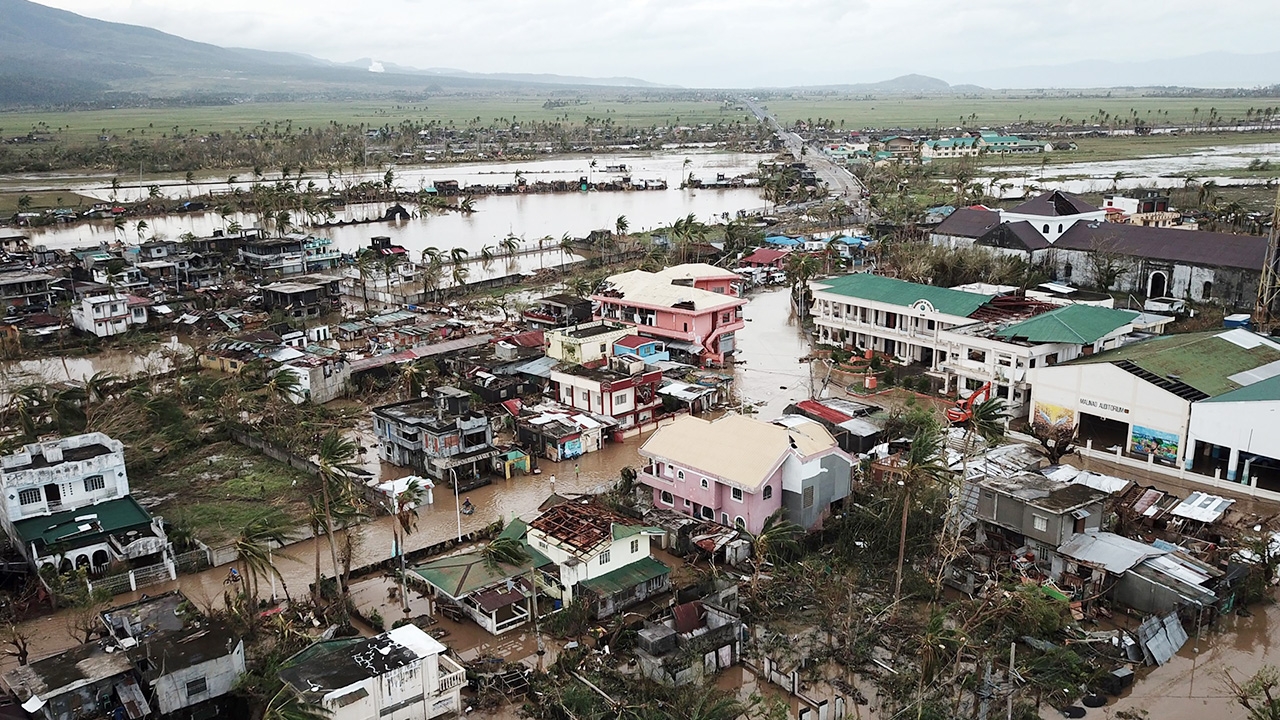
column 626, row 577
column 1203, row 507
column 904, row 294
column 1116, row 553
column 1075, row 324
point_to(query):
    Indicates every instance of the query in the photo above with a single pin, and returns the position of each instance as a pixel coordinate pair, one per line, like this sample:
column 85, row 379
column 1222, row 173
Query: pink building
column 694, row 307
column 738, row 470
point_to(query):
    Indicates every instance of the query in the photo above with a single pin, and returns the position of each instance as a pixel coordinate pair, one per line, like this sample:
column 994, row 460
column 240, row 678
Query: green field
column 87, row 125
column 1099, row 149
column 946, row 112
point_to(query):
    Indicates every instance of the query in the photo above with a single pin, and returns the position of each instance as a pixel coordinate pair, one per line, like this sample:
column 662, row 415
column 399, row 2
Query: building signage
column 1104, row 406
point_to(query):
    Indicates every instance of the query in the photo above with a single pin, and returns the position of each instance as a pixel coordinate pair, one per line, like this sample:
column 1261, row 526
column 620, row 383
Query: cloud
column 376, row 67
column 715, row 43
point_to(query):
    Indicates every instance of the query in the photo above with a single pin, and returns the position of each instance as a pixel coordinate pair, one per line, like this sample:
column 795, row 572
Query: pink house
column 738, row 470
column 694, row 307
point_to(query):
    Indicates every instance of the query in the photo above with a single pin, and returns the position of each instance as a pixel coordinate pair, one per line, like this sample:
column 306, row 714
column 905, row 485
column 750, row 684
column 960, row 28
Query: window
column 1046, row 228
column 197, row 686
column 1067, row 271
column 808, row 497
column 1207, row 293
column 604, row 558
column 620, row 399
column 686, row 327
column 739, row 523
column 94, row 482
column 768, row 492
column 687, row 503
column 29, row 497
column 736, row 493
column 542, row 545
column 1040, row 523
column 1059, row 228
column 708, row 513
column 635, row 546
column 586, row 396
column 667, row 498
column 680, row 474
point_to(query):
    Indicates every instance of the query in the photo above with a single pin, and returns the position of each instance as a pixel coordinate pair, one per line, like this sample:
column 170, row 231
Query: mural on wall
column 1052, row 415
column 1146, row 441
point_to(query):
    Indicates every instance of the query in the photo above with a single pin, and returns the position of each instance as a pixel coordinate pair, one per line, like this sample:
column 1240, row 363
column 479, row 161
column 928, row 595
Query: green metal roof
column 1205, row 360
column 905, row 294
column 1261, row 391
column 112, row 517
column 1077, row 324
column 626, row 577
column 460, row 575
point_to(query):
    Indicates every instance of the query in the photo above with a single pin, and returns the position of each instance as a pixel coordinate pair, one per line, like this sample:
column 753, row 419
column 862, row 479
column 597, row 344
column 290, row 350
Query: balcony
column 452, row 675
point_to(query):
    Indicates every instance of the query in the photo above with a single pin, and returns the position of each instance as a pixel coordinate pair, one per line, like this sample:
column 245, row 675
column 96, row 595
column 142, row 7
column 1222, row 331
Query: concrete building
column 950, row 148
column 695, row 308
column 22, row 288
column 1030, row 510
column 738, row 470
column 109, row 314
column 1139, row 398
column 589, row 343
column 67, row 504
column 598, row 555
column 555, row 311
column 185, row 661
column 302, row 297
column 290, row 255
column 85, row 681
column 1078, row 245
column 440, row 437
column 402, row 674
column 321, row 378
column 626, row 390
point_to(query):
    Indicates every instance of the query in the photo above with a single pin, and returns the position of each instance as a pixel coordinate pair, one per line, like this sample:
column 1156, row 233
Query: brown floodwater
column 768, row 372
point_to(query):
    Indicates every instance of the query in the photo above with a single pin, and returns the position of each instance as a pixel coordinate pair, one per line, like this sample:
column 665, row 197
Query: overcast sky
column 716, row 43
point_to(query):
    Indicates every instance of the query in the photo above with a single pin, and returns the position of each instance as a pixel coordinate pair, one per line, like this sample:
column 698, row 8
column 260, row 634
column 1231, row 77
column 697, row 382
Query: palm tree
column 335, row 464
column 405, row 509
column 467, row 205
column 287, row 704
column 509, row 245
column 460, row 271
column 504, row 551
column 920, row 466
column 779, row 538
column 316, row 521
column 486, row 256
column 413, row 379
column 141, row 228
column 253, row 545
column 365, row 261
column 800, row 268
column 432, row 271
column 566, row 248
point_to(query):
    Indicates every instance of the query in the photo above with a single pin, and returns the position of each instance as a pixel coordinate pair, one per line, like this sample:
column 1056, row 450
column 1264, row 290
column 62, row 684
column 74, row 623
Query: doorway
column 53, row 496
column 1105, row 433
column 1157, row 285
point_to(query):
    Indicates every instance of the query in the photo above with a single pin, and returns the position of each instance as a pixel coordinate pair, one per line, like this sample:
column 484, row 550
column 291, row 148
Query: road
column 839, row 181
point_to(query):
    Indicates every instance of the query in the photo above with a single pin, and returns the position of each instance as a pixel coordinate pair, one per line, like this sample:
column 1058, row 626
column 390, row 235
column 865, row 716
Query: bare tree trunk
column 902, row 548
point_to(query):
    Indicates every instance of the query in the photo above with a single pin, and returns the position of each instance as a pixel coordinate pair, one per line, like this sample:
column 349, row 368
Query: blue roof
column 783, row 240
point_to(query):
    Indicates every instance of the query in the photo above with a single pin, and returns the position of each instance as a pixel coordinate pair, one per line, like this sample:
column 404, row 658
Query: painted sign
column 1146, row 441
column 1104, row 406
column 1052, row 415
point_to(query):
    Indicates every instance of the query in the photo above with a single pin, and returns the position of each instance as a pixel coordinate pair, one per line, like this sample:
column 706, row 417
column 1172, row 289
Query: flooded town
column 351, row 390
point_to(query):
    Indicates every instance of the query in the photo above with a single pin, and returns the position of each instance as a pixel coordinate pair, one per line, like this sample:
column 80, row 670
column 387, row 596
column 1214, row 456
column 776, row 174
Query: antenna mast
column 1266, row 313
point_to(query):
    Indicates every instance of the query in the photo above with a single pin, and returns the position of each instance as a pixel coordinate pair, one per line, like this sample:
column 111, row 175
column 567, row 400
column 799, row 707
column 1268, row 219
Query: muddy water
column 121, row 362
column 769, row 374
column 526, row 216
column 1189, row 687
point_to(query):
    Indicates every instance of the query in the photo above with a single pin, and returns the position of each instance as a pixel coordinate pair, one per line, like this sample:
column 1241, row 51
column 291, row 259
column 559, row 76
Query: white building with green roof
column 1140, row 400
column 964, row 337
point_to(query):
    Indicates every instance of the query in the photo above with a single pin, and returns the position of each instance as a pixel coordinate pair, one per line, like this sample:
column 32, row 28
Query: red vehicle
column 964, row 408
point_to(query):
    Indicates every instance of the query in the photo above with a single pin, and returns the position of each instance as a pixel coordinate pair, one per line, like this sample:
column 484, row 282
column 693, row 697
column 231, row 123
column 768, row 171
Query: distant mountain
column 51, row 56
column 537, row 78
column 902, row 85
column 1207, row 70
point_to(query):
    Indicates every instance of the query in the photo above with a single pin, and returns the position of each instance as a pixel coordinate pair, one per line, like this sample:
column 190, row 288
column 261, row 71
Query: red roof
column 530, row 339
column 765, row 256
column 813, row 407
column 634, row 341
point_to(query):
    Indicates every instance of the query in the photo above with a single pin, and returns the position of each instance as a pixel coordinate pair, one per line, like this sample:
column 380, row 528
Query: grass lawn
column 87, row 125
column 1001, row 109
column 44, row 201
column 219, row 488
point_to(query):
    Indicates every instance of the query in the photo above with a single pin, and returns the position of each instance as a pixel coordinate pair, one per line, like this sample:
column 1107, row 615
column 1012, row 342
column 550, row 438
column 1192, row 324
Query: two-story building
column 650, row 350
column 440, row 437
column 308, row 296
column 22, row 288
column 626, row 389
column 695, row 310
column 67, row 504
column 1029, row 510
column 290, row 255
column 598, row 555
column 109, row 314
column 85, row 681
column 186, row 661
column 589, row 343
column 402, row 674
column 738, row 470
column 951, row 148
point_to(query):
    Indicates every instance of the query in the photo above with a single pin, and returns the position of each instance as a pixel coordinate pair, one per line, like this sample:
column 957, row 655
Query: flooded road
column 768, row 374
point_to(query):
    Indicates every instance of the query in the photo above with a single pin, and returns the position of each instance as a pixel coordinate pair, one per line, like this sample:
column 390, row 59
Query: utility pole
column 1266, row 312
